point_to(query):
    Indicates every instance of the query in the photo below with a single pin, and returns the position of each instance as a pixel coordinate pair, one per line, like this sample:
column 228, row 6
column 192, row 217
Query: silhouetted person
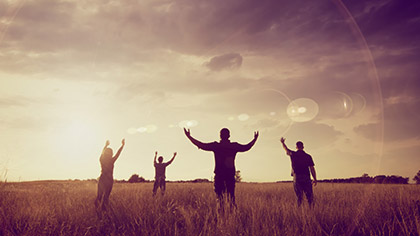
column 301, row 164
column 106, row 179
column 160, row 169
column 224, row 157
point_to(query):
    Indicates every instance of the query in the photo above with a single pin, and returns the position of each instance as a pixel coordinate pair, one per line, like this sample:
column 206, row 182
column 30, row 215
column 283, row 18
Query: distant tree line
column 135, row 178
column 365, row 178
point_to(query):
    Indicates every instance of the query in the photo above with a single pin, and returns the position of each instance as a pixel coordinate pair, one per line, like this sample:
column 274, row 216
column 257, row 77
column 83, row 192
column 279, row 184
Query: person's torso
column 107, row 166
column 160, row 169
column 301, row 162
column 224, row 155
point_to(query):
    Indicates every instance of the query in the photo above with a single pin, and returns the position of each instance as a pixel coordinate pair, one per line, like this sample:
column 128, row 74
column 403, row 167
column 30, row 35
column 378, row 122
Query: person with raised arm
column 302, row 167
column 224, row 157
column 160, row 177
column 106, row 180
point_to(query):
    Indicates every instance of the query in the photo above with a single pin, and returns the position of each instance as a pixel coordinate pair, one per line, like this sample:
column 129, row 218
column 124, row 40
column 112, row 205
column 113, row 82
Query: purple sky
column 75, row 73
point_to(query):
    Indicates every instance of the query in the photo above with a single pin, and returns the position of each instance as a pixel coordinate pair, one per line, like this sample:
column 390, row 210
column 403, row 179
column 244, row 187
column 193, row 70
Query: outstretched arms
column 246, row 147
column 204, row 146
column 170, row 161
column 288, row 151
column 312, row 168
column 119, row 150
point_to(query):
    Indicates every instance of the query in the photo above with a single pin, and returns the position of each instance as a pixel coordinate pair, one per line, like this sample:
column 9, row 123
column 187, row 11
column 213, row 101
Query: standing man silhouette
column 301, row 164
column 160, row 169
column 224, row 157
column 106, row 180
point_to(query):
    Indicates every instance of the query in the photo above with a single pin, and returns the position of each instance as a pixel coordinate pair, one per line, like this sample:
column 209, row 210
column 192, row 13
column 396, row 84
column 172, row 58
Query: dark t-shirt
column 301, row 161
column 160, row 169
column 224, row 155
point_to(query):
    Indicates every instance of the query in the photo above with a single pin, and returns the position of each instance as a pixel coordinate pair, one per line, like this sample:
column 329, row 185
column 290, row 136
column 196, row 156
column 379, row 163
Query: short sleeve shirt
column 160, row 169
column 224, row 156
column 301, row 161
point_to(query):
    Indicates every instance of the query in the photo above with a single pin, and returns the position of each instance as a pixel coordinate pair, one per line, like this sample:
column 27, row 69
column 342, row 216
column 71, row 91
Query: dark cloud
column 400, row 121
column 225, row 62
column 393, row 24
column 116, row 33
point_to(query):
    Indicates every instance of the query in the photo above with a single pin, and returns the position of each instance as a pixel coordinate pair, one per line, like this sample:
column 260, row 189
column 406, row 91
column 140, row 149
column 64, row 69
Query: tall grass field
column 67, row 208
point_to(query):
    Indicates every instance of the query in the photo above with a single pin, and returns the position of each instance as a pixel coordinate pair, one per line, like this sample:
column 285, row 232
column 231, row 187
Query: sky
column 340, row 76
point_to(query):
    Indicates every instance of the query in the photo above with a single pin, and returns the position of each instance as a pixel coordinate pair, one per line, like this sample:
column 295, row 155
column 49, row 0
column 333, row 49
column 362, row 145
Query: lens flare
column 337, row 105
column 188, row 123
column 359, row 102
column 302, row 110
column 243, row 117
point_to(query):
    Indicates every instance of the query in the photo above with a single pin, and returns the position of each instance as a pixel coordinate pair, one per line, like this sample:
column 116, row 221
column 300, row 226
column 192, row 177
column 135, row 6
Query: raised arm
column 119, row 150
column 246, row 147
column 154, row 161
column 173, row 158
column 106, row 145
column 288, row 151
column 204, row 146
column 313, row 172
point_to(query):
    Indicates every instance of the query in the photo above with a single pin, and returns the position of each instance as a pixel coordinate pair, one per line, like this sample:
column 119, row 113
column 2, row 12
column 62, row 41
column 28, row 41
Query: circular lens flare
column 302, row 110
column 243, row 117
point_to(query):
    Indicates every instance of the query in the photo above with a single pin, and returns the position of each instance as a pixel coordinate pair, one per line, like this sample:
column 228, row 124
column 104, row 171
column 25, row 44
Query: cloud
column 225, row 62
column 400, row 122
column 388, row 23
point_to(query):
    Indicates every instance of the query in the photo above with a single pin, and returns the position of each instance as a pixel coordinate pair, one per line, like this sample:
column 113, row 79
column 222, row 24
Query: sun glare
column 76, row 138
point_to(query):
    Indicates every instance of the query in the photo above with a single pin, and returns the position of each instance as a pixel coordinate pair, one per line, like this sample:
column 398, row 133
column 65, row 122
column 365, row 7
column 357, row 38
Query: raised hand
column 256, row 133
column 107, row 143
column 187, row 132
column 123, row 141
column 174, row 153
column 282, row 140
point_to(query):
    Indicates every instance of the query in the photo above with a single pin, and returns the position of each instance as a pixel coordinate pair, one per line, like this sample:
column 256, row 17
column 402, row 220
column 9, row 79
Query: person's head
column 160, row 159
column 224, row 134
column 299, row 145
column 108, row 152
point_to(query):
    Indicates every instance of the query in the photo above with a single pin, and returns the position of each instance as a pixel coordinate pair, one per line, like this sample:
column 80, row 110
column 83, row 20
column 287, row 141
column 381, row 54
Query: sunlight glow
column 76, row 139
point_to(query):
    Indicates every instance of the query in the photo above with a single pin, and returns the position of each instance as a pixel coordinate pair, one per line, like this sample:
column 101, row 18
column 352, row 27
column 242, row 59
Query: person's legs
column 162, row 186
column 219, row 186
column 230, row 186
column 155, row 186
column 307, row 188
column 99, row 197
column 219, row 189
column 298, row 190
column 107, row 192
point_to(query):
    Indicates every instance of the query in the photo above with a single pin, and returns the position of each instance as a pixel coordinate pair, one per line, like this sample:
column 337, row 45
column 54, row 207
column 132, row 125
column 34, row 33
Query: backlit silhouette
column 160, row 177
column 106, row 179
column 224, row 156
column 301, row 164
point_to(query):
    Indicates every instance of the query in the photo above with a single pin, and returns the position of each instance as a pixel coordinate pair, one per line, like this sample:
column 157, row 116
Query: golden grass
column 66, row 208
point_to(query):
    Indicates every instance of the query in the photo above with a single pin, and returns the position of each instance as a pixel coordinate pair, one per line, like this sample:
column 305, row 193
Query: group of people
column 224, row 179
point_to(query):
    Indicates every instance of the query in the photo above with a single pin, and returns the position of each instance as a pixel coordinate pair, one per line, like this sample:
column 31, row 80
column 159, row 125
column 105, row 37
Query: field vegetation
column 66, row 208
